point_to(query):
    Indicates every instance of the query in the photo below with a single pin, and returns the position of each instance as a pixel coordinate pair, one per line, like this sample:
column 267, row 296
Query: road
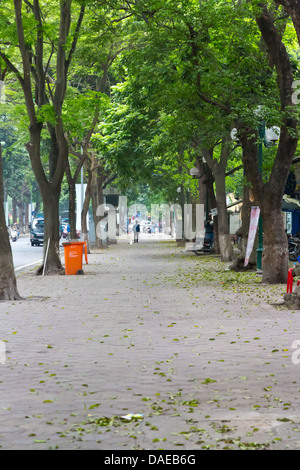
column 25, row 255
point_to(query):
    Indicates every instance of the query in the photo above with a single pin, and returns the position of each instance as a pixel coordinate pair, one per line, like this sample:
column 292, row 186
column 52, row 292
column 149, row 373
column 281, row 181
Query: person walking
column 68, row 232
column 136, row 231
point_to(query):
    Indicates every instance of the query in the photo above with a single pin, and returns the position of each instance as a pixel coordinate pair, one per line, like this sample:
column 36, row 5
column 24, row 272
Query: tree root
column 238, row 264
column 292, row 300
column 53, row 271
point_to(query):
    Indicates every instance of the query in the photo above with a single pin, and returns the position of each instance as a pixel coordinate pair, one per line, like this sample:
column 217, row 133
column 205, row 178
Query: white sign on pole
column 80, row 192
column 254, row 217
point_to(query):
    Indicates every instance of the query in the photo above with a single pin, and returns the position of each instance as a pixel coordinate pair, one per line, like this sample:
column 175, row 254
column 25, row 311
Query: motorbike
column 294, row 250
column 14, row 235
column 203, row 247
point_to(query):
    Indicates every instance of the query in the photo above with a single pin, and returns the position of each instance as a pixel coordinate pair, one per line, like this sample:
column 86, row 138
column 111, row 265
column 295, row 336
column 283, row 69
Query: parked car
column 37, row 232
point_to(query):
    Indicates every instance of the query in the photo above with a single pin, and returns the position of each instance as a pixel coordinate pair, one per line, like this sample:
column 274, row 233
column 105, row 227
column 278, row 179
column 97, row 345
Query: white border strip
column 38, row 261
column 28, row 265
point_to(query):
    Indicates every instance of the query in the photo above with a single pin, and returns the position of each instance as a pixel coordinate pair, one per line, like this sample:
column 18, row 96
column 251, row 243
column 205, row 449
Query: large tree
column 269, row 193
column 8, row 284
column 184, row 73
column 46, row 35
column 235, row 66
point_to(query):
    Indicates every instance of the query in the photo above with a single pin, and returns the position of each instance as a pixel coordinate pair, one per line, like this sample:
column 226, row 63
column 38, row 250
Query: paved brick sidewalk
column 153, row 331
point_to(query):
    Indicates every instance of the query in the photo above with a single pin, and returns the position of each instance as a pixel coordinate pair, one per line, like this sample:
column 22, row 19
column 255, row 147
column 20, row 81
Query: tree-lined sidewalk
column 162, row 95
column 194, row 351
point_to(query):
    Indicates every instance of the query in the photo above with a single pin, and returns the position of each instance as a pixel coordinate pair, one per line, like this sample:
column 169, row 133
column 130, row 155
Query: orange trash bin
column 73, row 257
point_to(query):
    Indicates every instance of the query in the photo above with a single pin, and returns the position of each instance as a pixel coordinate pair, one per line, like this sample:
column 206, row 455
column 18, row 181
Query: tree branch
column 75, row 37
column 61, row 73
column 39, row 54
column 109, row 180
column 26, row 82
column 207, row 99
column 288, row 133
column 12, row 68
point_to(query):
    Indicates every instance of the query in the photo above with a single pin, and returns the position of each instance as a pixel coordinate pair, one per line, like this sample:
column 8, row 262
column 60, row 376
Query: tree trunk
column 181, row 240
column 21, row 214
column 37, row 207
column 226, row 250
column 8, row 284
column 50, row 193
column 14, row 210
column 26, row 217
column 275, row 252
column 218, row 168
column 202, row 189
column 242, row 235
column 51, row 256
column 98, row 178
column 94, row 196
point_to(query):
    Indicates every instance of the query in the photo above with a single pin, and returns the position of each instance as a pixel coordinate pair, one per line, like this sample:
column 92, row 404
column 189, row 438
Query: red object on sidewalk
column 73, row 257
column 290, row 281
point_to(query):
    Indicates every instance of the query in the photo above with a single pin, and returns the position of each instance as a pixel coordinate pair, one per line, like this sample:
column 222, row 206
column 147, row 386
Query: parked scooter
column 294, row 248
column 14, row 235
column 203, row 247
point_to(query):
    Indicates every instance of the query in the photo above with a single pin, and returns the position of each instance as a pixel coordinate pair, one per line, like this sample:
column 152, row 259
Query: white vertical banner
column 254, row 218
column 2, row 91
column 80, row 193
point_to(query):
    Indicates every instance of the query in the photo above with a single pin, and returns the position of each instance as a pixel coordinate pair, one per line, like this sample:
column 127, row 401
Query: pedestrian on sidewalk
column 68, row 232
column 209, row 229
column 136, row 231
